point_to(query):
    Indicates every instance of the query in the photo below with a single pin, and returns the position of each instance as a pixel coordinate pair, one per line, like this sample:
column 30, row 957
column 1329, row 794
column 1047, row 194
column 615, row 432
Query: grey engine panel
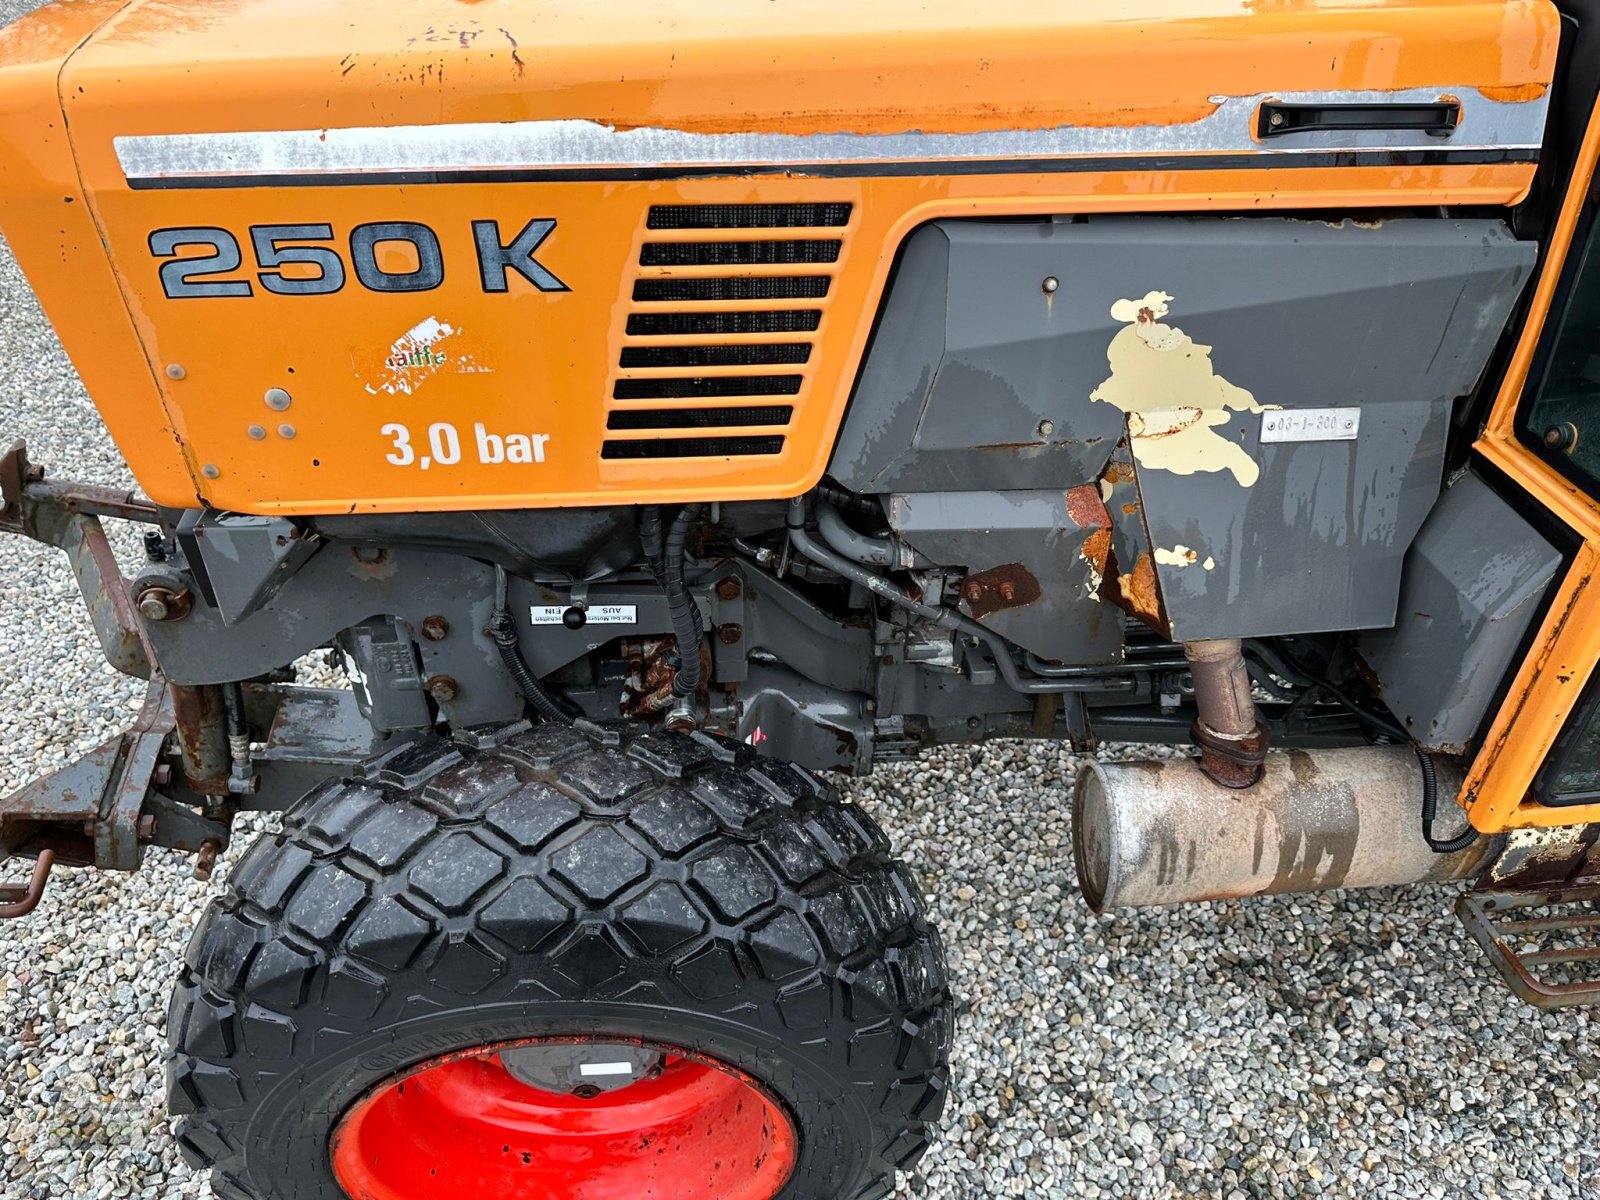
column 1473, row 583
column 979, row 379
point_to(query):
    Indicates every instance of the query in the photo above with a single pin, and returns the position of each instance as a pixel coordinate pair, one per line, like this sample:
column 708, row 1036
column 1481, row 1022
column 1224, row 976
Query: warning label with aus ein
column 595, row 614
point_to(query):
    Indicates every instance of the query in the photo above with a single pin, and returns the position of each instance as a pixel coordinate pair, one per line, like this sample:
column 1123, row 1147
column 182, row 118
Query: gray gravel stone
column 1342, row 1045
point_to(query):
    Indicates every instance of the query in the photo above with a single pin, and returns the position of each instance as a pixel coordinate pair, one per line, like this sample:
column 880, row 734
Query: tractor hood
column 145, row 147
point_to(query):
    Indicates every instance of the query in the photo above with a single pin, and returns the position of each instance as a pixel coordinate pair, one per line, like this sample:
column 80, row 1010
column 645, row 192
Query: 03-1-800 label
column 1311, row 425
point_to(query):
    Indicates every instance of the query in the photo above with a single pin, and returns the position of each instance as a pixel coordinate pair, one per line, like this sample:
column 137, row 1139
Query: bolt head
column 286, row 430
column 175, row 371
column 153, row 605
column 443, row 689
column 210, row 471
column 1050, row 285
column 256, row 432
column 435, row 628
column 277, row 399
column 729, row 589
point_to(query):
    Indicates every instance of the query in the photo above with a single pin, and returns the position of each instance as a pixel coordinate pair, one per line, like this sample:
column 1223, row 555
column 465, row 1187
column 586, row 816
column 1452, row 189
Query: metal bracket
column 20, row 899
column 88, row 812
column 1522, row 948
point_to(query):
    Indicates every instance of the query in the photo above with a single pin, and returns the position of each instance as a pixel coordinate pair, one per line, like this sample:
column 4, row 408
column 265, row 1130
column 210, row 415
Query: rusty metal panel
column 1035, row 565
column 1471, row 585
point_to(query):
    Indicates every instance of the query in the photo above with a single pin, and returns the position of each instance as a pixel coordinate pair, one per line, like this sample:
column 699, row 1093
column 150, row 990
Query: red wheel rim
column 464, row 1128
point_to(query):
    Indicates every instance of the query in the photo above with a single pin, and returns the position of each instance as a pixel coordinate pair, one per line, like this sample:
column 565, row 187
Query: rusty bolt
column 972, row 591
column 1008, row 590
column 730, row 635
column 369, row 554
column 162, row 775
column 206, row 861
column 729, row 589
column 443, row 688
column 163, row 604
column 435, row 628
column 147, row 827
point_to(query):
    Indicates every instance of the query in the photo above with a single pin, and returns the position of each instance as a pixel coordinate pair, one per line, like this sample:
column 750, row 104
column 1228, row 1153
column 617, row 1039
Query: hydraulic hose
column 681, row 608
column 940, row 616
column 860, row 547
column 504, row 632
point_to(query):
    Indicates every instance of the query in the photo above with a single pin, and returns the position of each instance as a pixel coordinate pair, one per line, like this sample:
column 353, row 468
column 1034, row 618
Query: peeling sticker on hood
column 417, row 356
column 1174, row 398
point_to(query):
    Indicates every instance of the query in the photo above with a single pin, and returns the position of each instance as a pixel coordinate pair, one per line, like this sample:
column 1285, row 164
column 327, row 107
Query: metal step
column 1544, row 940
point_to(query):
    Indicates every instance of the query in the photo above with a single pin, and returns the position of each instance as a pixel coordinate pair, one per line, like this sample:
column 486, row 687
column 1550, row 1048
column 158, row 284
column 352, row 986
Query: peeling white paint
column 1096, row 579
column 1182, row 556
column 1174, row 398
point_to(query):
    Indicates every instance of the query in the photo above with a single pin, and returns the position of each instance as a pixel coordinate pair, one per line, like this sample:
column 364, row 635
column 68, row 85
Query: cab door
column 1539, row 764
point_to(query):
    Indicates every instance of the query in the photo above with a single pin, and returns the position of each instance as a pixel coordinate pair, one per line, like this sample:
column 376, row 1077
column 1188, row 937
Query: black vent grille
column 738, row 254
column 700, row 418
column 709, row 301
column 748, row 216
column 706, row 447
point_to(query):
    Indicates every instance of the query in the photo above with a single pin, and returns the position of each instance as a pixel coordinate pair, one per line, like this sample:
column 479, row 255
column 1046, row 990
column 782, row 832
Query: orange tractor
column 655, row 408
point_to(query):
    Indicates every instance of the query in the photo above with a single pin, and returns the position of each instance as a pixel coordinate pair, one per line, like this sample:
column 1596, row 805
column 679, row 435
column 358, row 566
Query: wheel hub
column 560, row 1120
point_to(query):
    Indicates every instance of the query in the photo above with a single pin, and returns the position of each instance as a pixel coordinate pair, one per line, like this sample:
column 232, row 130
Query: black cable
column 1430, row 810
column 684, row 612
column 650, row 535
column 1430, row 779
column 552, row 707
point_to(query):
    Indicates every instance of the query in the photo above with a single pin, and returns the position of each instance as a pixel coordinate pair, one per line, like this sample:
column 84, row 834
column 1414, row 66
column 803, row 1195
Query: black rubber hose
column 504, row 631
column 832, row 493
column 233, row 705
column 685, row 614
column 1430, row 810
column 650, row 535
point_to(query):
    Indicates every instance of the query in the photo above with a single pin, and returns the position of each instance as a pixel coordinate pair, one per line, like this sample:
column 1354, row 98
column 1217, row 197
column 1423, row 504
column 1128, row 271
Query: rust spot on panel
column 999, row 589
column 1097, row 550
column 1086, row 508
column 1140, row 593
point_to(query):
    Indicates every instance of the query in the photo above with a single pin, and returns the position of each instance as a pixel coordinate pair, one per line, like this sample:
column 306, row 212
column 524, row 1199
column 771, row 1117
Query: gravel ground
column 1350, row 1045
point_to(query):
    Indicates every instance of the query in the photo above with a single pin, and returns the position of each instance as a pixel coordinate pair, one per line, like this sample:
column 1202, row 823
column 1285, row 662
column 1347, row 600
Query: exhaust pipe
column 1163, row 833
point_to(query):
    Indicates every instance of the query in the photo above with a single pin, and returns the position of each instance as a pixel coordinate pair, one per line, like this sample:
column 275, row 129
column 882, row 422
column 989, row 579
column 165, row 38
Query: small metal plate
column 1311, row 425
column 597, row 614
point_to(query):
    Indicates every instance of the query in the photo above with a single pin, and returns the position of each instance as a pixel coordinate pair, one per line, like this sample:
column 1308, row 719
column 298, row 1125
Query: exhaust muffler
column 1163, row 833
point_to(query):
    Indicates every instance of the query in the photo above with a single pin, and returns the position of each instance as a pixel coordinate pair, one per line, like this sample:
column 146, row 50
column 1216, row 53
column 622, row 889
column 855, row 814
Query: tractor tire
column 563, row 962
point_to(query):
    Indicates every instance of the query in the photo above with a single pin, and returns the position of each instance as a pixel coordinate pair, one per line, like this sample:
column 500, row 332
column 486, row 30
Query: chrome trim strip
column 577, row 146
